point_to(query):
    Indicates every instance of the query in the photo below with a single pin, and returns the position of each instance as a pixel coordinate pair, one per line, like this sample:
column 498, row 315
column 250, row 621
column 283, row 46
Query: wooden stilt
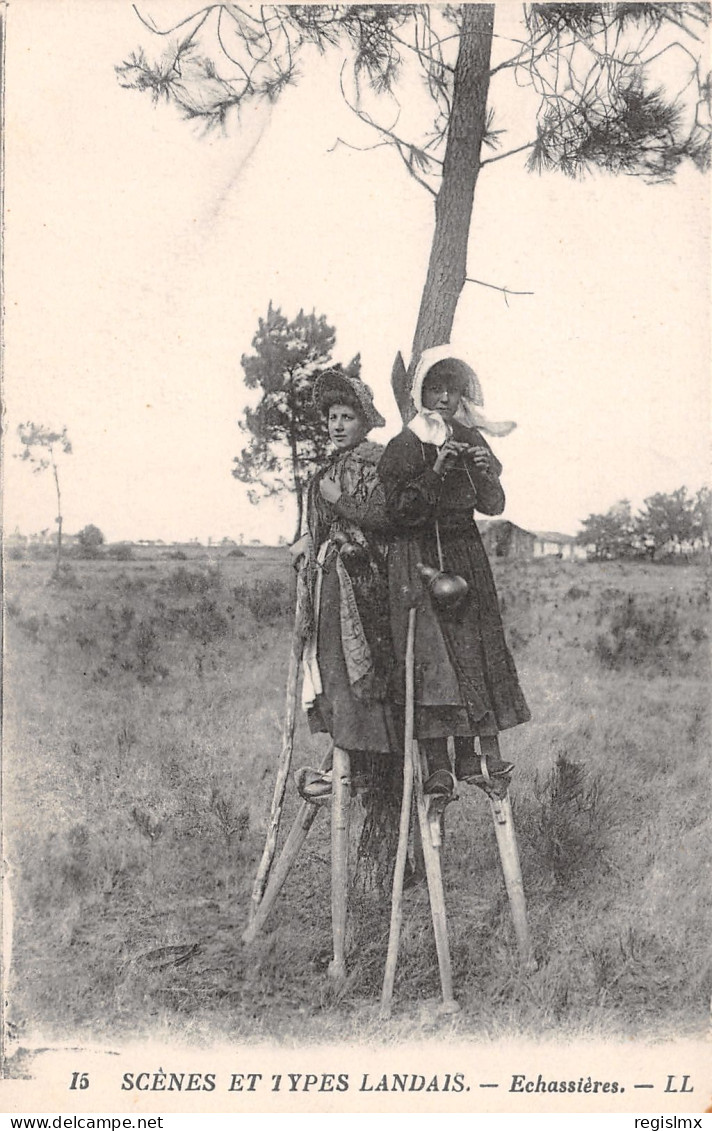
column 417, row 849
column 509, row 856
column 436, row 893
column 406, row 807
column 340, row 809
column 292, row 847
column 306, row 815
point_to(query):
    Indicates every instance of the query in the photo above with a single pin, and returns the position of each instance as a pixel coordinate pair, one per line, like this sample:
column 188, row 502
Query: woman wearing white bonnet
column 468, row 411
column 436, row 473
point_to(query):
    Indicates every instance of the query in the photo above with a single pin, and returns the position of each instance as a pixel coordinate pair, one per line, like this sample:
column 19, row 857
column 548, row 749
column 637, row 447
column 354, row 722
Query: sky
column 140, row 254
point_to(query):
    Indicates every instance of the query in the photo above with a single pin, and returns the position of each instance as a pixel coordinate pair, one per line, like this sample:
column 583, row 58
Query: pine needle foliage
column 617, row 88
column 288, row 435
column 40, row 447
column 591, row 64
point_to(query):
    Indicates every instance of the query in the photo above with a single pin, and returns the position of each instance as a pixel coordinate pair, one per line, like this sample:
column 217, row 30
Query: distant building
column 502, row 539
column 550, row 544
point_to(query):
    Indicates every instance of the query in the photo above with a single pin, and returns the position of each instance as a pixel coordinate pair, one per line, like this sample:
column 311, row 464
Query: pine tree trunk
column 447, row 268
column 300, row 511
column 298, row 486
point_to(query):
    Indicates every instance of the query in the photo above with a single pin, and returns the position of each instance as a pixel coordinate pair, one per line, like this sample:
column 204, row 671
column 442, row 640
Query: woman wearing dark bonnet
column 436, row 473
column 347, row 658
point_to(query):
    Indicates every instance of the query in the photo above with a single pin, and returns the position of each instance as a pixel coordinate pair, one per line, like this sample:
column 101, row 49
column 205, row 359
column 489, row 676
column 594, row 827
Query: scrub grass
column 143, row 708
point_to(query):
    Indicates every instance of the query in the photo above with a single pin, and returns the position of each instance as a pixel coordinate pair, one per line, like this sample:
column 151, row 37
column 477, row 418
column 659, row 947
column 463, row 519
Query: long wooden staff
column 285, row 758
column 405, row 814
column 340, row 812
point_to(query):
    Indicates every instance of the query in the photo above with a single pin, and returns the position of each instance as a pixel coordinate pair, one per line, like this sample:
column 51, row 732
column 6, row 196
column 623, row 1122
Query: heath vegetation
column 143, row 708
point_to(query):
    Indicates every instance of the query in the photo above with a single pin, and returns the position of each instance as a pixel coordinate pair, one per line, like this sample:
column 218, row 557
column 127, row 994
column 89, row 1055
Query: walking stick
column 405, row 814
column 285, row 758
column 306, row 814
column 509, row 856
column 340, row 810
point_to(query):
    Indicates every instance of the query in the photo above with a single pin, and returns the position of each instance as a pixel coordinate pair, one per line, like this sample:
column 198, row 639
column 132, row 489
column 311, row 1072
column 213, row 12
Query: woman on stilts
column 348, row 655
column 436, row 473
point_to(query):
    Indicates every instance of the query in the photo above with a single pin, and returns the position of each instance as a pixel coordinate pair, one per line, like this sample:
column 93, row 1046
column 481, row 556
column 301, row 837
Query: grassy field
column 143, row 706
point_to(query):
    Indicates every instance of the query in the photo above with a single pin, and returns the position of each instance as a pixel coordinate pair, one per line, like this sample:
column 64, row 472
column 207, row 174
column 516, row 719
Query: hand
column 300, row 549
column 330, row 490
column 447, row 455
column 480, row 457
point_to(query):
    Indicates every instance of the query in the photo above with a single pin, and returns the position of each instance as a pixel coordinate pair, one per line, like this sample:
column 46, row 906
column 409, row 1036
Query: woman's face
column 442, row 393
column 346, row 427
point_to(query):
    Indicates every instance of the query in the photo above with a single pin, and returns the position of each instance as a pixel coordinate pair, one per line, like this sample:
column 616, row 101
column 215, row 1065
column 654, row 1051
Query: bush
column 90, row 541
column 41, row 551
column 571, row 822
column 269, row 600
column 147, row 650
column 639, row 636
column 65, row 578
column 122, row 552
column 206, row 623
column 127, row 584
column 16, row 553
column 236, row 552
column 191, row 582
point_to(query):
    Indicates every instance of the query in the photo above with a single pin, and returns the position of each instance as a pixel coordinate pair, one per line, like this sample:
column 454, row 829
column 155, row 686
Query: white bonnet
column 472, row 398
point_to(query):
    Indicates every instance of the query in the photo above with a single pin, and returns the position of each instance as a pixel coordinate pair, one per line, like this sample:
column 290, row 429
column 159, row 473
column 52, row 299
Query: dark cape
column 465, row 679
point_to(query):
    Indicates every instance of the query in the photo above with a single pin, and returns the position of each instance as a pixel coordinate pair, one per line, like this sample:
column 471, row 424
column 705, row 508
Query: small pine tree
column 40, row 447
column 288, row 435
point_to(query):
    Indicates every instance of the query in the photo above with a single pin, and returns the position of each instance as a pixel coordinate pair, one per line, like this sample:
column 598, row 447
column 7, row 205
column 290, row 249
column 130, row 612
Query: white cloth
column 311, row 676
column 429, row 426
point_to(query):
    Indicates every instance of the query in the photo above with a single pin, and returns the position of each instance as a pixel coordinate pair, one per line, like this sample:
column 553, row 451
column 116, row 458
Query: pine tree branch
column 152, row 26
column 359, row 148
column 226, row 53
column 424, row 56
column 658, row 54
column 419, row 180
column 518, row 61
column 492, row 286
column 526, row 47
column 401, row 146
column 501, row 157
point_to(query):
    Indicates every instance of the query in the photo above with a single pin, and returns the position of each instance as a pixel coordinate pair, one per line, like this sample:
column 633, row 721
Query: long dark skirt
column 354, row 724
column 465, row 679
